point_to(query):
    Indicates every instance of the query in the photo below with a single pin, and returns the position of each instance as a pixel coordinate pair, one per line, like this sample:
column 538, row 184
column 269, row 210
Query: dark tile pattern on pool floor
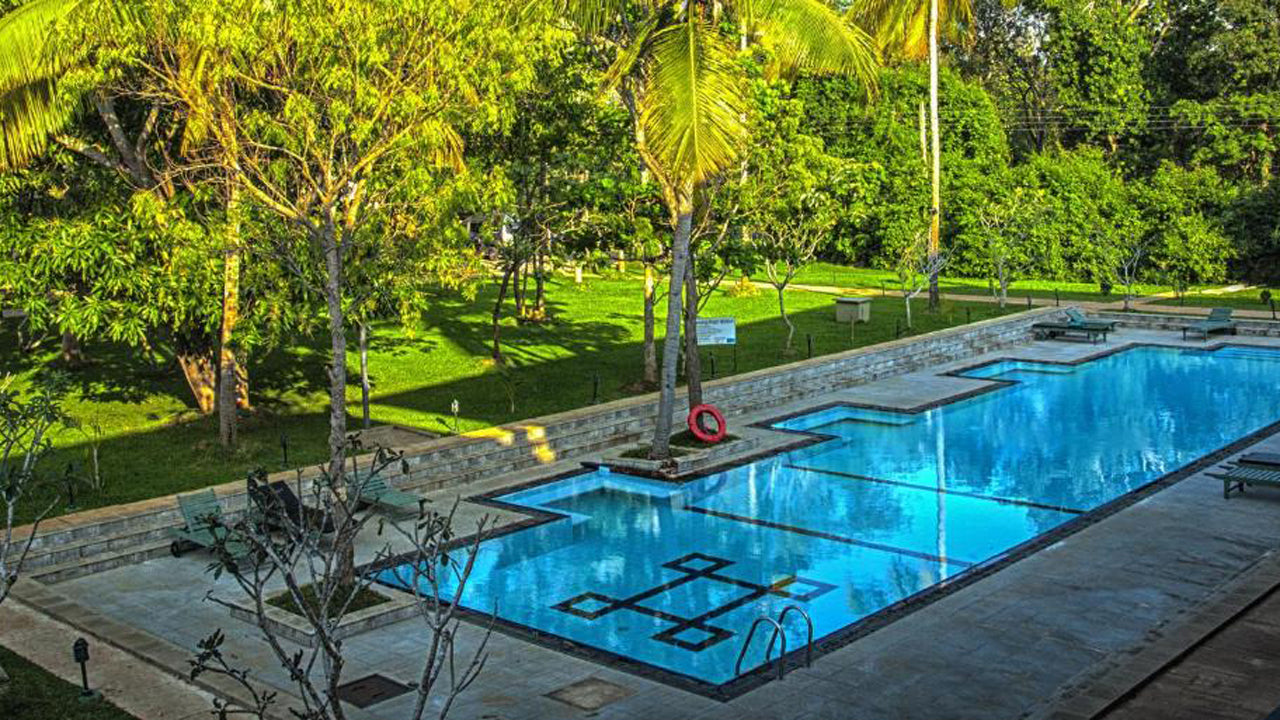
column 709, row 570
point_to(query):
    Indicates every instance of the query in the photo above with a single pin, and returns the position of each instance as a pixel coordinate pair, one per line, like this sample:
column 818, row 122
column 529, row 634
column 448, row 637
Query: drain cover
column 590, row 694
column 371, row 690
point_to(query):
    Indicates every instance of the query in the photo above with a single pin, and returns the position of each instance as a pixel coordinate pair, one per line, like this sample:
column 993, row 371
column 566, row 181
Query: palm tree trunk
column 935, row 210
column 661, row 449
column 692, row 358
column 650, row 349
column 228, row 377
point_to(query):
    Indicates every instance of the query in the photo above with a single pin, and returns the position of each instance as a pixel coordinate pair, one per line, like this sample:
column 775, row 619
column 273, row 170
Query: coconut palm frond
column 901, row 29
column 592, row 16
column 30, row 114
column 31, row 108
column 692, row 105
column 26, row 55
column 629, row 57
column 809, row 36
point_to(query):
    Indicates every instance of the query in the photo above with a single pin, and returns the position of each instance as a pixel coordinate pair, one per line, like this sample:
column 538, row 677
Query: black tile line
column 766, row 673
column 945, row 491
column 797, row 530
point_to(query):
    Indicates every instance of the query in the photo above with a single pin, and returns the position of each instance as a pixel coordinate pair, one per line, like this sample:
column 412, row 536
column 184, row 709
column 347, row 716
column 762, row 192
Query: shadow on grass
column 182, row 456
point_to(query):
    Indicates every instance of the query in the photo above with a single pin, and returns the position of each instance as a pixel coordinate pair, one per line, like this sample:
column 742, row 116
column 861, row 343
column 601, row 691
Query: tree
column 308, row 110
column 288, row 563
column 51, row 63
column 25, row 426
column 788, row 191
column 916, row 268
column 911, row 29
column 674, row 69
column 1008, row 224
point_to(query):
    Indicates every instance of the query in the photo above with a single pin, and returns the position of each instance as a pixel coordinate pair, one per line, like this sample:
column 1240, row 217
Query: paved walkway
column 1230, row 676
column 135, row 686
column 1049, row 636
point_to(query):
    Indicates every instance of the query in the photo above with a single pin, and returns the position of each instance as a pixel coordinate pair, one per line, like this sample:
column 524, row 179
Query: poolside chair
column 1076, row 324
column 276, row 504
column 202, row 515
column 1261, row 459
column 1237, row 476
column 377, row 492
column 1219, row 320
column 1075, row 316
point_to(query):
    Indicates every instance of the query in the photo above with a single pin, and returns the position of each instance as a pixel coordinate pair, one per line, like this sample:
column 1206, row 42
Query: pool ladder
column 779, row 631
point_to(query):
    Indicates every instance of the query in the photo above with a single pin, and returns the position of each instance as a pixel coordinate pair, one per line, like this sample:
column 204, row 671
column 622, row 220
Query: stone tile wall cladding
column 76, row 545
column 1156, row 321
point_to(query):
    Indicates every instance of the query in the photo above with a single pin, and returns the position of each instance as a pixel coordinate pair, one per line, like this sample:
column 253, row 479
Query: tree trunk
column 202, row 378
column 496, row 353
column 540, row 281
column 650, row 349
column 517, row 289
column 228, row 377
column 782, row 311
column 935, row 209
column 364, row 374
column 692, row 358
column 344, row 545
column 661, row 449
column 72, row 353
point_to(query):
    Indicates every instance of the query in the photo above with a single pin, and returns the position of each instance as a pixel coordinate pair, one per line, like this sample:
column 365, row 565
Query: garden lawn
column 153, row 443
column 1240, row 299
column 36, row 694
column 828, row 274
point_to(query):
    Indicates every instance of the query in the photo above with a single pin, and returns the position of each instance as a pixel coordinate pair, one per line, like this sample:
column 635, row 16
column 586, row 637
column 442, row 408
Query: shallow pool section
column 671, row 576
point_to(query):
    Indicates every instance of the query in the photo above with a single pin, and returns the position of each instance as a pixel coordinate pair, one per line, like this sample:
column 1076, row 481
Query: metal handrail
column 808, row 645
column 777, row 630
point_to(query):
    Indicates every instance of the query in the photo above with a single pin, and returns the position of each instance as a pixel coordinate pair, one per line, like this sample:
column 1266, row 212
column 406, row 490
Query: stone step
column 73, row 569
column 77, row 550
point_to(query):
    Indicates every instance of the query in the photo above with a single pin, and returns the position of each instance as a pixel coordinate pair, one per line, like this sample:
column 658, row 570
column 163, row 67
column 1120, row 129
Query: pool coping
column 766, row 672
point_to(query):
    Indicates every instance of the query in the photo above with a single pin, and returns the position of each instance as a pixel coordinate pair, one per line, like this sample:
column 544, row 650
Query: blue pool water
column 672, row 575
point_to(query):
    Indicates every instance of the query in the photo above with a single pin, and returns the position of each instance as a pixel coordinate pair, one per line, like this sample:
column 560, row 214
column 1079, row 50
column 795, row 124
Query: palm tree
column 675, row 71
column 910, row 29
column 34, row 57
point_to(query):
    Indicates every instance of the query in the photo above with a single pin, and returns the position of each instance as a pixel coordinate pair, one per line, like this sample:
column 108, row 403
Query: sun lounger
column 202, row 515
column 277, row 504
column 1076, row 324
column 377, row 492
column 1237, row 476
column 1219, row 320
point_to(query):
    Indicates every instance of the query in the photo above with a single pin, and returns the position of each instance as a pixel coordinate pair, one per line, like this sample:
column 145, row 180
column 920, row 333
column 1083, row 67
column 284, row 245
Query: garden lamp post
column 80, row 652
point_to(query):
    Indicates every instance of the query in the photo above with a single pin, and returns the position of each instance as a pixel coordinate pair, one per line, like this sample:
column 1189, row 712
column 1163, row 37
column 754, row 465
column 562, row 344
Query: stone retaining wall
column 451, row 461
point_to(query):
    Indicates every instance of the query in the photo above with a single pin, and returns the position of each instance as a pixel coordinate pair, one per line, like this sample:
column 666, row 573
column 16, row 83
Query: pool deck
column 1064, row 633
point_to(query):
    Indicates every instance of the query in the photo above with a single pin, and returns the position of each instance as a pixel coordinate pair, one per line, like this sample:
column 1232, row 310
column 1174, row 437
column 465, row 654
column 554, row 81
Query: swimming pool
column 881, row 506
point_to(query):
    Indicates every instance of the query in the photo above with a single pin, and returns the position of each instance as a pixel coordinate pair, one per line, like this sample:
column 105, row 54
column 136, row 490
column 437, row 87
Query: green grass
column 1239, row 299
column 155, row 443
column 829, row 274
column 36, row 694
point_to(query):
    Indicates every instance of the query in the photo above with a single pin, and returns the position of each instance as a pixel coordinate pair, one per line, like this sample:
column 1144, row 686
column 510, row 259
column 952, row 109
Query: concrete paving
column 1038, row 636
column 137, row 687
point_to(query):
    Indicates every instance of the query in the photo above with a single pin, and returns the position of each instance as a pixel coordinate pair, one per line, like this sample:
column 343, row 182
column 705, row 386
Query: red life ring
column 695, row 427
